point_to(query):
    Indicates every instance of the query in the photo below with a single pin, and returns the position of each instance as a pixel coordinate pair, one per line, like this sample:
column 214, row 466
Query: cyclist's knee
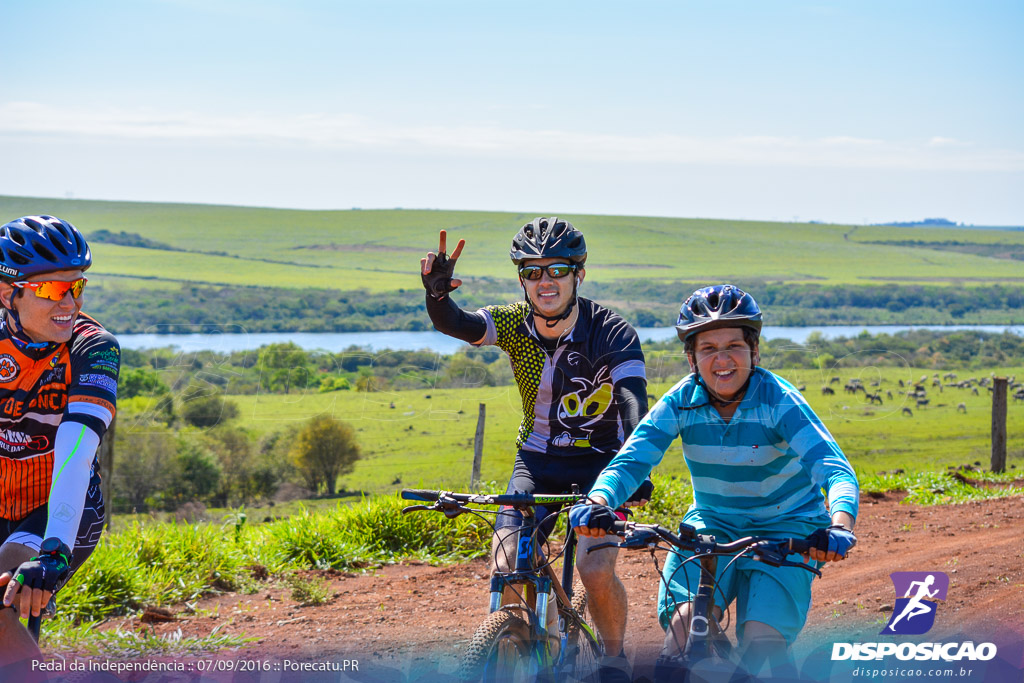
column 765, row 635
column 596, row 574
column 503, row 551
column 8, row 621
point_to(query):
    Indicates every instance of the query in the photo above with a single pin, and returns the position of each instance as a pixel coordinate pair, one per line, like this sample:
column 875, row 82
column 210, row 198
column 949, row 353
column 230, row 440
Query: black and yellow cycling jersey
column 568, row 398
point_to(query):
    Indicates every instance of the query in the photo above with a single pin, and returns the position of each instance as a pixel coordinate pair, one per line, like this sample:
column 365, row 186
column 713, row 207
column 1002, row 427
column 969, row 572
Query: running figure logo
column 914, row 613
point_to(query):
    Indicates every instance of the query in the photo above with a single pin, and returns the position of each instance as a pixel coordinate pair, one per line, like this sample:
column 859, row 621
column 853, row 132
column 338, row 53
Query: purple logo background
column 916, row 593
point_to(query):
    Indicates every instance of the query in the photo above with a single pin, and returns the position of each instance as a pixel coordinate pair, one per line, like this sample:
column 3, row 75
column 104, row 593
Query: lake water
column 235, row 339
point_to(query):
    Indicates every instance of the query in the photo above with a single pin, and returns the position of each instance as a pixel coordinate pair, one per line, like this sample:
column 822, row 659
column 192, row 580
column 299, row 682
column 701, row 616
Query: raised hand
column 436, row 270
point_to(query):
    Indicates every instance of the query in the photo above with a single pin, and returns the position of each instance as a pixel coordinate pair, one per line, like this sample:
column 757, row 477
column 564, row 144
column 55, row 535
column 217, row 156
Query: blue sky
column 849, row 112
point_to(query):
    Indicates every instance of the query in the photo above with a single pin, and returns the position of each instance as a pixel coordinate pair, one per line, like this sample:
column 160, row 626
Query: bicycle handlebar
column 515, row 499
column 771, row 551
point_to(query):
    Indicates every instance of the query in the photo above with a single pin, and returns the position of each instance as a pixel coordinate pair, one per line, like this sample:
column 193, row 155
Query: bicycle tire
column 500, row 652
column 583, row 652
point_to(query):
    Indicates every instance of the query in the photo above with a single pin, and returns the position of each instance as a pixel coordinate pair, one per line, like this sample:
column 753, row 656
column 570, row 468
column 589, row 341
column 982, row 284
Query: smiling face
column 724, row 360
column 41, row 319
column 550, row 296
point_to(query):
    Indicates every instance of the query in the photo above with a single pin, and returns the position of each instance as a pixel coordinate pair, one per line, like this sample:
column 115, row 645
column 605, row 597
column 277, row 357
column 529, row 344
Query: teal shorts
column 777, row 596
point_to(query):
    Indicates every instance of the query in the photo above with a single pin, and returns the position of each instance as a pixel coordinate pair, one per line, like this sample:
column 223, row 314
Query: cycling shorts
column 540, row 473
column 777, row 596
column 29, row 531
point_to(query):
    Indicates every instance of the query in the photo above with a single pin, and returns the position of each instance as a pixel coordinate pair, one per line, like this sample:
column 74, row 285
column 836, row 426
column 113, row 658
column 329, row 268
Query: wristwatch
column 54, row 547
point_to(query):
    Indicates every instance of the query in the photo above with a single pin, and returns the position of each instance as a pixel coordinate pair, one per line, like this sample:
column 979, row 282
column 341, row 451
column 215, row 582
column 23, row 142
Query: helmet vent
column 18, row 237
column 34, row 224
column 46, row 253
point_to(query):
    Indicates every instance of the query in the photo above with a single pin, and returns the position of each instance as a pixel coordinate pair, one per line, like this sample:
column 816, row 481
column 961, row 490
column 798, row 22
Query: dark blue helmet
column 548, row 238
column 719, row 306
column 41, row 244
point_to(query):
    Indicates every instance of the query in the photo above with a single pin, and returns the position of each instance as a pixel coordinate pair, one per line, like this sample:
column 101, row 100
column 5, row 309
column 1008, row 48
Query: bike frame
column 536, row 576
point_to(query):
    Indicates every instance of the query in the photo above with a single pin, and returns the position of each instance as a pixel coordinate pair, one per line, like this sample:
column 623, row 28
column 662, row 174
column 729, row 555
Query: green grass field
column 427, row 438
column 379, row 250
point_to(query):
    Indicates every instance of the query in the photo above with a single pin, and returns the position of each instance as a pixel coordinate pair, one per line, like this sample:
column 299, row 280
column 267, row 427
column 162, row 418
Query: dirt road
column 402, row 618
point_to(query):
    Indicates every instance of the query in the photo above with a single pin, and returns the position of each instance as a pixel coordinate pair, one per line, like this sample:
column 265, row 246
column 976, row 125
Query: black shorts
column 540, row 473
column 29, row 531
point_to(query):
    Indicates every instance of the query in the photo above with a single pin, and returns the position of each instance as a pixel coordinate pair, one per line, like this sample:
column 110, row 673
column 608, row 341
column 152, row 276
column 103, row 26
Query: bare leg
column 606, row 594
column 679, row 629
column 762, row 643
column 18, row 645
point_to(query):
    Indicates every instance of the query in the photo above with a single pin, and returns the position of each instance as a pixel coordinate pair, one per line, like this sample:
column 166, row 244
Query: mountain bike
column 515, row 642
column 707, row 653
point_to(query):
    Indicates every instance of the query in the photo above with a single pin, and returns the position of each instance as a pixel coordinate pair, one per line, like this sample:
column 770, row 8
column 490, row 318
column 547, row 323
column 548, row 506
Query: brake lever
column 415, row 508
column 603, row 545
column 773, row 557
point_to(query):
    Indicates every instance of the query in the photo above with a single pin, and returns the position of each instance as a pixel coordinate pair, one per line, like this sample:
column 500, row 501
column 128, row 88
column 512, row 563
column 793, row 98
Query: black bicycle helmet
column 718, row 306
column 33, row 245
column 548, row 238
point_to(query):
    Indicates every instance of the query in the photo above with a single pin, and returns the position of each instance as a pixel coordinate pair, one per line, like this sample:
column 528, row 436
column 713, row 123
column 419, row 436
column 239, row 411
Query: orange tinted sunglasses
column 54, row 290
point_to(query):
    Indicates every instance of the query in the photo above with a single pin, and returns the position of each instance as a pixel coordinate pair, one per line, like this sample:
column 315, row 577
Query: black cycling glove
column 48, row 569
column 644, row 492
column 438, row 282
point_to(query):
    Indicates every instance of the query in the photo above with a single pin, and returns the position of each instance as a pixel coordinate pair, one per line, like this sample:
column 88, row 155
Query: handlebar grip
column 618, row 527
column 420, row 494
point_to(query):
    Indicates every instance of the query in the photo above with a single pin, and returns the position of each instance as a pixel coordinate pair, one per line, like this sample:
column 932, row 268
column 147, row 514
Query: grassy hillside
column 379, row 250
column 427, row 438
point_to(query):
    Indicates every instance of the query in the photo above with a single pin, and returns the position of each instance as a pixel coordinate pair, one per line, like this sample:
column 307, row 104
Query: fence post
column 999, row 424
column 106, row 458
column 478, row 446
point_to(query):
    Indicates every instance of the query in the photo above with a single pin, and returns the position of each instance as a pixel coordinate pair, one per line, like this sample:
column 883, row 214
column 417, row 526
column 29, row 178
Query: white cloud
column 491, row 140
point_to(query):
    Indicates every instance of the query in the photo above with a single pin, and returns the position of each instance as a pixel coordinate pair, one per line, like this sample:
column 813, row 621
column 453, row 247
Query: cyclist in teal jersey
column 580, row 373
column 759, row 458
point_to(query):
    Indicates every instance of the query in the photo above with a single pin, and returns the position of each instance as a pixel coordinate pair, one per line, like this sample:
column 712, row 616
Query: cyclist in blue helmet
column 58, row 392
column 759, row 458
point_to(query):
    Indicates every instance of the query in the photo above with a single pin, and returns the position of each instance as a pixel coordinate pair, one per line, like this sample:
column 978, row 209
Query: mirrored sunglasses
column 54, row 290
column 555, row 270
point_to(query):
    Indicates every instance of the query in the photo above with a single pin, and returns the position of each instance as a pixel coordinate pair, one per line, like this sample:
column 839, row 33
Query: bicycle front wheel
column 583, row 651
column 501, row 652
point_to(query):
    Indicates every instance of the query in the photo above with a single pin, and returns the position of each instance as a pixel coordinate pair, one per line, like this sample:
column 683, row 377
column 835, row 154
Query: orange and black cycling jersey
column 74, row 381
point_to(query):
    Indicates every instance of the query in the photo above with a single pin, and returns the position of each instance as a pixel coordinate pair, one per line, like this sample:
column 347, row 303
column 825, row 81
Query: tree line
column 181, row 442
column 194, row 308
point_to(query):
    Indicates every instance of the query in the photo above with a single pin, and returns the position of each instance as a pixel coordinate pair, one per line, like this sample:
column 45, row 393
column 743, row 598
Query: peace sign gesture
column 436, row 270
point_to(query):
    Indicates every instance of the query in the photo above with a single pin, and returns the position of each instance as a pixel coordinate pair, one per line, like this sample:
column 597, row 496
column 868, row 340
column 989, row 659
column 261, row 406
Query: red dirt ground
column 403, row 616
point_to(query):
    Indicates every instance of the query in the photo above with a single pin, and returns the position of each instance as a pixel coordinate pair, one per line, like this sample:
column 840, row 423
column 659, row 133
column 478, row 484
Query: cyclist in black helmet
column 759, row 459
column 58, row 390
column 580, row 372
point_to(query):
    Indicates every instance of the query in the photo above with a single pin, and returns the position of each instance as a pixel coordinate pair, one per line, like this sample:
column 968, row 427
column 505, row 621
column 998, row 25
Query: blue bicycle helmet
column 718, row 306
column 33, row 245
column 548, row 238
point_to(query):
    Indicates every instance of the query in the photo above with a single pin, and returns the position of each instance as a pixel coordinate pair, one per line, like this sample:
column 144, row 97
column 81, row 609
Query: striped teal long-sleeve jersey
column 767, row 465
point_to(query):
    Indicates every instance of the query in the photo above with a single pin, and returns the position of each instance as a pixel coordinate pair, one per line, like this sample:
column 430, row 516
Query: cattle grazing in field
column 962, row 408
column 907, row 412
column 974, row 390
column 888, row 394
column 828, row 391
column 921, row 402
column 834, row 380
